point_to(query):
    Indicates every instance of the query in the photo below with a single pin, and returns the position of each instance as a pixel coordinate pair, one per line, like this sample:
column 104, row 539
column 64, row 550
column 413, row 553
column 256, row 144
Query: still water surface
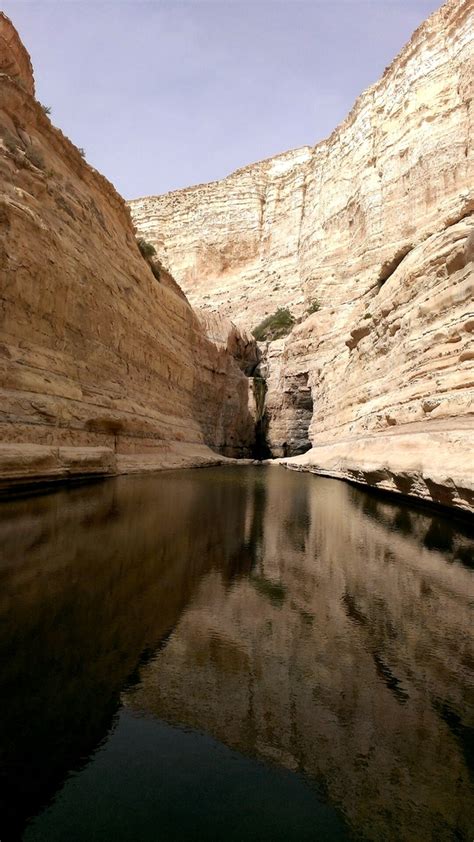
column 234, row 654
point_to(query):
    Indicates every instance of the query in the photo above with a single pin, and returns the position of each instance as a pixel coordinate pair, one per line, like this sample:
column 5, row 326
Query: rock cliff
column 374, row 228
column 104, row 366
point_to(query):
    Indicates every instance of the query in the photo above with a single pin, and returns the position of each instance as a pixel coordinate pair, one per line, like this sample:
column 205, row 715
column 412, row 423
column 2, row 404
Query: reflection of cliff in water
column 345, row 654
column 294, row 618
column 94, row 579
column 453, row 538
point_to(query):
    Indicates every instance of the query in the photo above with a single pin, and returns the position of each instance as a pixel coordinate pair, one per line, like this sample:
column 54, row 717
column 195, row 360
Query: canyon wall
column 374, row 226
column 233, row 245
column 104, row 366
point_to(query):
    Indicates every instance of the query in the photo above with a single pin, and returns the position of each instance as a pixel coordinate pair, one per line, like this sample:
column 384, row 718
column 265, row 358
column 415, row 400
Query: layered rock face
column 394, row 406
column 233, row 245
column 14, row 59
column 104, row 367
column 375, row 225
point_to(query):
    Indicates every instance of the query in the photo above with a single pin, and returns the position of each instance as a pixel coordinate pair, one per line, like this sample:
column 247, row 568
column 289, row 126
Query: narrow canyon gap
column 368, row 239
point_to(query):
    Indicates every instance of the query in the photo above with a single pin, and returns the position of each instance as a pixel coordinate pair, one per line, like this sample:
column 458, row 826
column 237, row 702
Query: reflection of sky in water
column 321, row 634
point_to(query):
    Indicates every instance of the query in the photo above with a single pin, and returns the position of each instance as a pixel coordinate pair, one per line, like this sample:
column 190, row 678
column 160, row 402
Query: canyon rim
column 106, row 367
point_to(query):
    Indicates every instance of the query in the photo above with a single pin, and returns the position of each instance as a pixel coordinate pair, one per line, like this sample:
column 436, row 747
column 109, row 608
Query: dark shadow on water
column 391, row 681
column 464, row 733
column 96, row 576
column 304, row 648
column 435, row 529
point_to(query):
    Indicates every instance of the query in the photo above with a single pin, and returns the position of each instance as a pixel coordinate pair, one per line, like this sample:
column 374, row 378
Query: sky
column 163, row 94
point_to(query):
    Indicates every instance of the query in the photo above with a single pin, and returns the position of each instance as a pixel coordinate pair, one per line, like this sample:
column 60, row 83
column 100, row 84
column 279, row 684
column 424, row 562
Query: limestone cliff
column 104, row 367
column 375, row 226
column 234, row 244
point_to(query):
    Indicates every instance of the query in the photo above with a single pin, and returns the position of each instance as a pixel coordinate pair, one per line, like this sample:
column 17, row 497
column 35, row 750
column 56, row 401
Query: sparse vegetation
column 275, row 326
column 155, row 268
column 46, row 109
column 19, row 82
column 313, row 306
column 146, row 248
column 35, row 157
column 148, row 251
column 81, row 151
column 10, row 143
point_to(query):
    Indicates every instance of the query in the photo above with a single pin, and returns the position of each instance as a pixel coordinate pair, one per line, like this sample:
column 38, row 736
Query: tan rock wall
column 233, row 244
column 374, row 224
column 97, row 357
column 14, row 59
column 324, row 221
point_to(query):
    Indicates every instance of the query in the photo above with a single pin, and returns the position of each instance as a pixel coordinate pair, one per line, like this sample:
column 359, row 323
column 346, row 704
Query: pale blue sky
column 163, row 94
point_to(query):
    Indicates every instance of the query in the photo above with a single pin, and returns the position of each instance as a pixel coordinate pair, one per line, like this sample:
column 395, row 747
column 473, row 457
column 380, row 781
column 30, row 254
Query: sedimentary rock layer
column 233, row 245
column 14, row 59
column 394, row 402
column 373, row 227
column 103, row 367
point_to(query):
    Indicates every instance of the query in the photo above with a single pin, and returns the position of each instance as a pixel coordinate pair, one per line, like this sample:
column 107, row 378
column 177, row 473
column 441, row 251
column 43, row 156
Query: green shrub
column 276, row 326
column 10, row 143
column 155, row 268
column 81, row 151
column 35, row 157
column 146, row 249
column 46, row 109
column 313, row 306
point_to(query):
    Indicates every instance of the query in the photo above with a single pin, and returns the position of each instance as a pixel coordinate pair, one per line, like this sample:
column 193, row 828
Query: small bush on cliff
column 35, row 157
column 10, row 143
column 149, row 253
column 146, row 248
column 313, row 306
column 275, row 326
column 156, row 269
column 46, row 109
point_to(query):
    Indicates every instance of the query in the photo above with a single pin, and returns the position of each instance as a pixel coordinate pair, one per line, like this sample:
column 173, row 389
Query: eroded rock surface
column 103, row 367
column 373, row 226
